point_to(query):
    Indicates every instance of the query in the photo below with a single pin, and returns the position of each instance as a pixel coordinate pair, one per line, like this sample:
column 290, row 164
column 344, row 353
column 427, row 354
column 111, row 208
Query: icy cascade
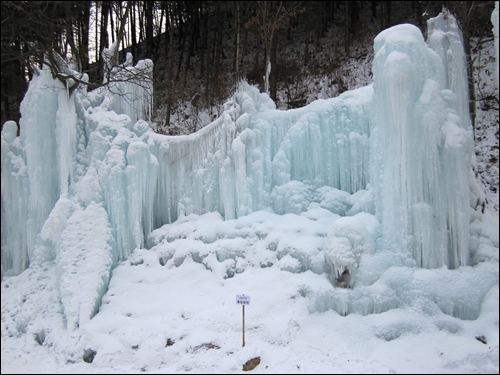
column 14, row 202
column 251, row 158
column 254, row 157
column 420, row 146
column 40, row 166
column 92, row 184
column 445, row 38
column 75, row 188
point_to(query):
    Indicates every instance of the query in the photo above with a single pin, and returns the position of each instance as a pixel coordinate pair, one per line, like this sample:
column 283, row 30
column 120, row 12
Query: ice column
column 420, row 151
column 445, row 38
column 15, row 255
column 61, row 143
column 40, row 162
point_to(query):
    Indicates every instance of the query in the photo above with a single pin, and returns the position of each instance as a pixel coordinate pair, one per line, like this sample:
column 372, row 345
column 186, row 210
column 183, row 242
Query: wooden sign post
column 243, row 300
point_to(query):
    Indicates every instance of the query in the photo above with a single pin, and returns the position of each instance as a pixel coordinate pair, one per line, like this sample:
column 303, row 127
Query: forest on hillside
column 201, row 50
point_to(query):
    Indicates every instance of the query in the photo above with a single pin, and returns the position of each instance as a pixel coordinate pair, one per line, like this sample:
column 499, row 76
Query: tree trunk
column 84, row 27
column 150, row 43
column 157, row 46
column 206, row 75
column 120, row 32
column 194, row 20
column 180, row 22
column 257, row 66
column 382, row 15
column 104, row 41
column 218, row 51
column 244, row 45
column 97, row 37
column 418, row 13
column 347, row 28
column 308, row 32
column 319, row 28
column 206, row 18
column 388, row 18
column 170, row 79
column 167, row 6
column 133, row 33
column 326, row 6
column 385, row 14
column 237, row 52
column 141, row 23
column 181, row 57
column 69, row 35
column 182, row 39
column 112, row 24
column 273, row 73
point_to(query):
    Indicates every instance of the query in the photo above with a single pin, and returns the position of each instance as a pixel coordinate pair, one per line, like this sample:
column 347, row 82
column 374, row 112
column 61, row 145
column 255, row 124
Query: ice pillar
column 420, row 155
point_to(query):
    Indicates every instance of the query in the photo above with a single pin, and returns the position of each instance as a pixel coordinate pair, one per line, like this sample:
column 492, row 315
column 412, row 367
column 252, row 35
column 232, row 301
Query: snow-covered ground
column 487, row 120
column 166, row 312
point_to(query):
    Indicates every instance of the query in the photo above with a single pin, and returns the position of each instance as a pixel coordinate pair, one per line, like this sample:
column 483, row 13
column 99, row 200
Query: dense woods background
column 202, row 49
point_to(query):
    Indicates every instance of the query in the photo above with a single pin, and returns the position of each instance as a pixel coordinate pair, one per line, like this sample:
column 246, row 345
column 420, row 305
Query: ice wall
column 421, row 145
column 253, row 156
column 15, row 256
column 39, row 166
column 75, row 185
column 403, row 140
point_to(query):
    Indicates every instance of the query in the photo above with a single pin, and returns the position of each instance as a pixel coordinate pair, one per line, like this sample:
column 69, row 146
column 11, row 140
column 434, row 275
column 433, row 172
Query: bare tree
column 150, row 45
column 269, row 17
column 48, row 33
column 170, row 72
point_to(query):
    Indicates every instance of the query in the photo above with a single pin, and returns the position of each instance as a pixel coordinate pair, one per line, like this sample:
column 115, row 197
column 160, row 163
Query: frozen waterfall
column 421, row 144
column 399, row 149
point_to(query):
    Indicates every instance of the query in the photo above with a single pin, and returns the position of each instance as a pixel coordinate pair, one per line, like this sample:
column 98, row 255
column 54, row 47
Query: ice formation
column 397, row 153
column 422, row 144
column 347, row 241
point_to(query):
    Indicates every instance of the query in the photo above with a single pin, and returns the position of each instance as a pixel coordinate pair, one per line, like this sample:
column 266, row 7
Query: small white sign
column 242, row 299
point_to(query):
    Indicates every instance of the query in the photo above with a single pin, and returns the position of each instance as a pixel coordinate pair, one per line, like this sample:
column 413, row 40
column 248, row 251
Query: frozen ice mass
column 372, row 191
